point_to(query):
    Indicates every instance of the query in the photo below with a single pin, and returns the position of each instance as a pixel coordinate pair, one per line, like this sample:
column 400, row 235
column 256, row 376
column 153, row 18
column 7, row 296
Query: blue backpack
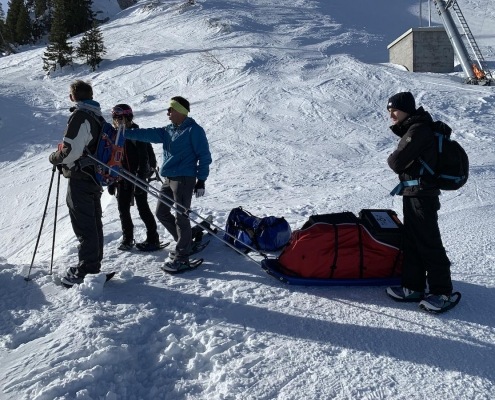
column 108, row 154
column 110, row 151
column 265, row 234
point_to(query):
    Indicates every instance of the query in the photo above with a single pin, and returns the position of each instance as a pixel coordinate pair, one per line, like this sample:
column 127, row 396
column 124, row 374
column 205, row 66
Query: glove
column 111, row 190
column 145, row 174
column 59, row 167
column 199, row 188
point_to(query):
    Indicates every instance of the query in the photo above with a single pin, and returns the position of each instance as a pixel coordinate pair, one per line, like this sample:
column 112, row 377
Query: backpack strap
column 424, row 166
column 401, row 186
column 100, row 120
column 441, row 139
column 85, row 163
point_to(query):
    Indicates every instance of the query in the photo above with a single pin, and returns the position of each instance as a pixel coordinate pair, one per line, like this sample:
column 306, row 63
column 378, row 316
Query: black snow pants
column 83, row 201
column 425, row 259
column 126, row 192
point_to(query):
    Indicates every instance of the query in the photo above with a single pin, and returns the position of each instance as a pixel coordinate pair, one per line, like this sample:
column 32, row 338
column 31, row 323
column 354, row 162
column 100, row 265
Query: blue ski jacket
column 186, row 151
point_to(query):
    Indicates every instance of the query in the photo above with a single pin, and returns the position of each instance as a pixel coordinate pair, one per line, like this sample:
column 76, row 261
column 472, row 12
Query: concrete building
column 423, row 50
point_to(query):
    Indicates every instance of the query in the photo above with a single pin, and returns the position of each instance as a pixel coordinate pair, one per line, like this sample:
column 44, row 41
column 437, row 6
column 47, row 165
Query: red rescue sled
column 348, row 253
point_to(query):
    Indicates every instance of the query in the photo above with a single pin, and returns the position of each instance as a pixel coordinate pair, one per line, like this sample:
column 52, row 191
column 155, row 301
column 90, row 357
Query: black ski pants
column 425, row 259
column 83, row 201
column 126, row 192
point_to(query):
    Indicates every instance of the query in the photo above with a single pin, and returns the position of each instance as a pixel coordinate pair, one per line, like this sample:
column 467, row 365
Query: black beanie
column 403, row 101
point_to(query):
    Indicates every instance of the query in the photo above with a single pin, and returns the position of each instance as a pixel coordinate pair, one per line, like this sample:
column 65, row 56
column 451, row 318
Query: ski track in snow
column 292, row 97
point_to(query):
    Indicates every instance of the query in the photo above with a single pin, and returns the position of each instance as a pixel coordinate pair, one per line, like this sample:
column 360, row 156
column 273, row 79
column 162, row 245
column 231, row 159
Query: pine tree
column 2, row 19
column 23, row 26
column 79, row 16
column 40, row 8
column 5, row 47
column 2, row 29
column 42, row 11
column 59, row 51
column 11, row 20
column 91, row 47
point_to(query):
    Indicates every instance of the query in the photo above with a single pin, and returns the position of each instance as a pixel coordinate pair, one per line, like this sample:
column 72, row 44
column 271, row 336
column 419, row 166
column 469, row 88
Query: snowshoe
column 177, row 267
column 149, row 246
column 440, row 303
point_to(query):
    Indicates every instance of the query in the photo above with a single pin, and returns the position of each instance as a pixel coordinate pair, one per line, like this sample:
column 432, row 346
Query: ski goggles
column 119, row 113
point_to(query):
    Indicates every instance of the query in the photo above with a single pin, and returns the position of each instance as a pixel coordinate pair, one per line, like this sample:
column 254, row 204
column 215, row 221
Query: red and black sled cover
column 339, row 251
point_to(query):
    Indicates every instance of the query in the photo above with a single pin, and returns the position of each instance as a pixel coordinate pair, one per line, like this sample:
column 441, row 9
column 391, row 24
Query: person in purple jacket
column 185, row 168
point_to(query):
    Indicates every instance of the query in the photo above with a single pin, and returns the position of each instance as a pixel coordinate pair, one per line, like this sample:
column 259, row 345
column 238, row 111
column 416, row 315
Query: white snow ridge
column 292, row 96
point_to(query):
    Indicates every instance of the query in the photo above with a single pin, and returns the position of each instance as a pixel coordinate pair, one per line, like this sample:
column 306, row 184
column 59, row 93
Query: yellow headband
column 178, row 107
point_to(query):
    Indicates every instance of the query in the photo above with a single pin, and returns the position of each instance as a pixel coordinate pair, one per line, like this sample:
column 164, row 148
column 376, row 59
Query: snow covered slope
column 292, row 96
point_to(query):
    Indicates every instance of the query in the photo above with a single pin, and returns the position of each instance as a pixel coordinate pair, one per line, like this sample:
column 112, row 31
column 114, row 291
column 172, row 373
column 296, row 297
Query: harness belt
column 401, row 186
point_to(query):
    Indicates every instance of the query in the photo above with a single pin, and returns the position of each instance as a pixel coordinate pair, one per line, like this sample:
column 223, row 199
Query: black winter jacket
column 83, row 130
column 417, row 140
column 139, row 157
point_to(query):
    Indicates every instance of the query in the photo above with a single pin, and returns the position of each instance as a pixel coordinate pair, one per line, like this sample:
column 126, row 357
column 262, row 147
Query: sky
column 293, row 100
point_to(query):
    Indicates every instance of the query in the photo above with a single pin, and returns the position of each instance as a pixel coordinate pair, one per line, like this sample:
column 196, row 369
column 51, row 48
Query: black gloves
column 199, row 188
column 154, row 175
column 145, row 175
column 150, row 173
column 111, row 189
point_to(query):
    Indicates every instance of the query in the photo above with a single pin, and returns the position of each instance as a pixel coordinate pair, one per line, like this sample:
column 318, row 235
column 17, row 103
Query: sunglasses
column 169, row 110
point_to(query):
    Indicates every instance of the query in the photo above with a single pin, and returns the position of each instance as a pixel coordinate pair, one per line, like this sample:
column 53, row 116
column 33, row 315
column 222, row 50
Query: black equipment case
column 384, row 225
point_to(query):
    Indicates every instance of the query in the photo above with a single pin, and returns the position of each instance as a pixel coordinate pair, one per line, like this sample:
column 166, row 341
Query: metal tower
column 472, row 61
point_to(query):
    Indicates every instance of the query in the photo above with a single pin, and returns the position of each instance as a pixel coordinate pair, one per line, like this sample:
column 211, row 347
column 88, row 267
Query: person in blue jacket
column 185, row 168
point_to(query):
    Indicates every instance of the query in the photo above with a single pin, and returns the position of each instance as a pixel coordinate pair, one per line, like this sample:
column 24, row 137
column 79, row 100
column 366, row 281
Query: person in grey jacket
column 426, row 265
column 83, row 190
column 185, row 168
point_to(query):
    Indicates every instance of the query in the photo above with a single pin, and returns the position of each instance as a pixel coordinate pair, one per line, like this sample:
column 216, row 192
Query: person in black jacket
column 83, row 191
column 426, row 264
column 139, row 159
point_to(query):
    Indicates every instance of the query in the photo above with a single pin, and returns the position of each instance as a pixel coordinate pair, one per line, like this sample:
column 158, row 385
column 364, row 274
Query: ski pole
column 150, row 189
column 42, row 222
column 186, row 212
column 55, row 221
column 162, row 197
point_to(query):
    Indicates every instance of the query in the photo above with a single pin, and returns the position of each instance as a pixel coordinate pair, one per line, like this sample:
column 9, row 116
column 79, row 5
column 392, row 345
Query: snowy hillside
column 292, row 96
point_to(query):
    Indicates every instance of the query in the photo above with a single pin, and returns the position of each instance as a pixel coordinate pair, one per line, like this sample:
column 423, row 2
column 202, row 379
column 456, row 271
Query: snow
column 292, row 96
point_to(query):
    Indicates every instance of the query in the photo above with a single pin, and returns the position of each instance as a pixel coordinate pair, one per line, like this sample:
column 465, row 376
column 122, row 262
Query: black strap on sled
column 361, row 252
column 333, row 267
